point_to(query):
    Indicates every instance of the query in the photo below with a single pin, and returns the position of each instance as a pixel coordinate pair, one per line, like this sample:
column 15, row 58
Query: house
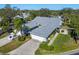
column 17, row 16
column 23, row 15
column 42, row 27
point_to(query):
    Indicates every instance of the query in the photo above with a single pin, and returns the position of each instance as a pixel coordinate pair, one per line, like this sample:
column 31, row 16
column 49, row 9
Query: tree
column 44, row 12
column 18, row 23
column 8, row 11
column 67, row 10
column 5, row 24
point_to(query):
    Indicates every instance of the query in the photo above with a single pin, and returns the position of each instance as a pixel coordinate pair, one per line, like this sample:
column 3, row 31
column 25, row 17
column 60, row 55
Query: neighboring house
column 23, row 15
column 43, row 27
column 17, row 16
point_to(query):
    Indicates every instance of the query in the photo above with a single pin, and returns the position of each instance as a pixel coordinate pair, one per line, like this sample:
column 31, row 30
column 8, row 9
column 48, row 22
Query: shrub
column 21, row 38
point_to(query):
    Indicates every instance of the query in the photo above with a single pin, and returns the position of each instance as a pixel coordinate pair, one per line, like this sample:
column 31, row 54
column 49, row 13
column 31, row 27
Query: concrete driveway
column 28, row 48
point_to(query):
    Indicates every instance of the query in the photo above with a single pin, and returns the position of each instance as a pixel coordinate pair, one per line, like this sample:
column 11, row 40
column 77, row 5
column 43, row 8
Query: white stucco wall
column 41, row 39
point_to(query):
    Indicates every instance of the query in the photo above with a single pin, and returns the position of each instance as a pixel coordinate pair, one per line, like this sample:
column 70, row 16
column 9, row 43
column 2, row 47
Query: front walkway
column 4, row 41
column 52, row 40
column 28, row 48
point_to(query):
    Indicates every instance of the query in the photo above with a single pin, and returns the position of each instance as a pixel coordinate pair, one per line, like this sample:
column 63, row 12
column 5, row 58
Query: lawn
column 51, row 36
column 3, row 35
column 13, row 45
column 61, row 44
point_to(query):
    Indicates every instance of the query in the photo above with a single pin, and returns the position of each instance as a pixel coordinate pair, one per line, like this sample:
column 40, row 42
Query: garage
column 41, row 39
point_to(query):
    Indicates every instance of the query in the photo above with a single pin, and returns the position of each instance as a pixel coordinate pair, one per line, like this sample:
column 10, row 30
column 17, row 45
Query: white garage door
column 41, row 39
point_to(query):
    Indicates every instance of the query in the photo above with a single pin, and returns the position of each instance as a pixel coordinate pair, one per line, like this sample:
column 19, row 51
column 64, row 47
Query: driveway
column 28, row 48
column 4, row 41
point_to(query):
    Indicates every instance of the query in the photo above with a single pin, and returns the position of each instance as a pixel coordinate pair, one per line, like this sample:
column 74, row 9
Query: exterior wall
column 41, row 39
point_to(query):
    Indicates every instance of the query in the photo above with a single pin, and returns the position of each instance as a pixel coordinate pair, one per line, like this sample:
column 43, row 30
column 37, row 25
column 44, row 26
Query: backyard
column 61, row 44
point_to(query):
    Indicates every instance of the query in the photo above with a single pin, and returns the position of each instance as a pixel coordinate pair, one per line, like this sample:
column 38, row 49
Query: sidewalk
column 52, row 40
column 4, row 41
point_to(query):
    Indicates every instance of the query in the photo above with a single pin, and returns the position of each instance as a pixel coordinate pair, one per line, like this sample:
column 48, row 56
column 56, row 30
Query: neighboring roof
column 18, row 16
column 47, row 25
column 24, row 15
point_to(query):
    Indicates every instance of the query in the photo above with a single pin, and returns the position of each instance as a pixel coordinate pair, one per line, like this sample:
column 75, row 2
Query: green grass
column 12, row 45
column 3, row 35
column 61, row 44
column 51, row 36
column 64, row 43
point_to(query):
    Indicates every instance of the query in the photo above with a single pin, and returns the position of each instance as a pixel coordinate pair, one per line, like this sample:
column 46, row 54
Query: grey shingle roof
column 47, row 25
